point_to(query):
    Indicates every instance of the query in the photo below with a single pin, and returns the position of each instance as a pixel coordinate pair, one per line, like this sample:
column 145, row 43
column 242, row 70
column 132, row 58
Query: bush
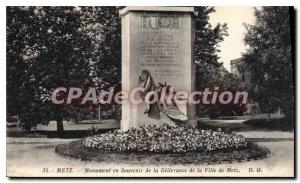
column 282, row 124
column 164, row 139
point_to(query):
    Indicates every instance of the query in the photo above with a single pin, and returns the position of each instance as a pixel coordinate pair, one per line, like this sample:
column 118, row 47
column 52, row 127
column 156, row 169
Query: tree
column 207, row 39
column 22, row 98
column 208, row 70
column 103, row 26
column 269, row 59
column 48, row 49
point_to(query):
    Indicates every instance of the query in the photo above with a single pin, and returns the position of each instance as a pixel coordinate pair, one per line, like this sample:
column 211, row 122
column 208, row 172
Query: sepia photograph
column 150, row 91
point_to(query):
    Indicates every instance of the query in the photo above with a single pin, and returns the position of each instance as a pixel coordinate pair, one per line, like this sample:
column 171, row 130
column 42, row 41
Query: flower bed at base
column 76, row 150
column 164, row 145
column 164, row 139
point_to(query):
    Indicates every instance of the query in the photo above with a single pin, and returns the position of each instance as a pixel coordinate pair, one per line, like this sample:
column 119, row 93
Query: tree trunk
column 99, row 113
column 60, row 127
column 27, row 129
column 269, row 117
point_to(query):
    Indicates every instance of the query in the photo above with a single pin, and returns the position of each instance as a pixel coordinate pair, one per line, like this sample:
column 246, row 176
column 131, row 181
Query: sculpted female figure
column 165, row 102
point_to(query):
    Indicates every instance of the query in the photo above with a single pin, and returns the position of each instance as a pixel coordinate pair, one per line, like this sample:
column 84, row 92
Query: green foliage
column 103, row 27
column 269, row 58
column 45, row 50
column 281, row 124
column 207, row 39
column 49, row 47
column 209, row 72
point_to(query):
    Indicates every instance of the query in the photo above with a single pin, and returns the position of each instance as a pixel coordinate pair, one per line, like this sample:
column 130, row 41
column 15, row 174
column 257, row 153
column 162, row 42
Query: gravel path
column 28, row 157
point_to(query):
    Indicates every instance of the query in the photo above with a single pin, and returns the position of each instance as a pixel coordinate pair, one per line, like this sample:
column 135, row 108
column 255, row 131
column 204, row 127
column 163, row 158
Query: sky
column 235, row 17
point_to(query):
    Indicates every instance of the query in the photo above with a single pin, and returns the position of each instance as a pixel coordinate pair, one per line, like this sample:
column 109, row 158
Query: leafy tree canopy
column 269, row 57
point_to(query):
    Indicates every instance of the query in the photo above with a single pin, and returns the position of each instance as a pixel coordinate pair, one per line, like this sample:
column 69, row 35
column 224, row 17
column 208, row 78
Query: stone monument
column 157, row 42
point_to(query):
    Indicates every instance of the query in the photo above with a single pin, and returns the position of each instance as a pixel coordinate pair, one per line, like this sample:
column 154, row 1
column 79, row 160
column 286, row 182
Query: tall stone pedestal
column 161, row 41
